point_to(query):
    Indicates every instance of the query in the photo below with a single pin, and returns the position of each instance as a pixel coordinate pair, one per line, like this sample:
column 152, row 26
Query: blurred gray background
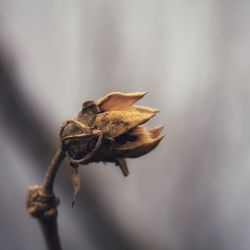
column 193, row 191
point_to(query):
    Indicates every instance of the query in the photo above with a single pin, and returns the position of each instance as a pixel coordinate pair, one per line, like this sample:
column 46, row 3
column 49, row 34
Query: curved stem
column 48, row 182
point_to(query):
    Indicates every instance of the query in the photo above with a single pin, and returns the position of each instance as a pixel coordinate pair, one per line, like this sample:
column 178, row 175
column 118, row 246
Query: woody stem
column 48, row 182
column 42, row 203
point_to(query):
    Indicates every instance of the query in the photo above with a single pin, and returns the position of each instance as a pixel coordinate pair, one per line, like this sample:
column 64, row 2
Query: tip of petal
column 155, row 132
column 144, row 109
column 159, row 139
column 141, row 94
column 155, row 111
column 147, row 118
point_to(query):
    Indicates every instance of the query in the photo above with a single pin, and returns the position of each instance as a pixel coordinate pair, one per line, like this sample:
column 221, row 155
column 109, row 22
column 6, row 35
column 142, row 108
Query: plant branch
column 50, row 232
column 42, row 203
column 48, row 183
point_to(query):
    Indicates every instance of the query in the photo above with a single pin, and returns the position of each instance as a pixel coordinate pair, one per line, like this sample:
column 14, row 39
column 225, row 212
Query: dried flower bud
column 109, row 130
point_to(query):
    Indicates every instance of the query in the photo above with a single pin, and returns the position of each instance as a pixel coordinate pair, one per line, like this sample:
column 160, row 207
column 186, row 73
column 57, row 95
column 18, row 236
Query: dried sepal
column 118, row 100
column 116, row 123
column 142, row 142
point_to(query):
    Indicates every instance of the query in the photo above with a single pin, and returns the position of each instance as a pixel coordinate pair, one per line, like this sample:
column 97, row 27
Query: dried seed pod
column 110, row 130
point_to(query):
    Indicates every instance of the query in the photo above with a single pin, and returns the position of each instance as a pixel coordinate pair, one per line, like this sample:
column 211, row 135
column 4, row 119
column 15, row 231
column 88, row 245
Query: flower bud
column 110, row 130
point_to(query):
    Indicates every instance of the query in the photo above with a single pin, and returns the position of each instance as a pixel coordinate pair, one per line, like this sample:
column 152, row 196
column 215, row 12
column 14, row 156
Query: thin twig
column 50, row 232
column 49, row 178
column 42, row 203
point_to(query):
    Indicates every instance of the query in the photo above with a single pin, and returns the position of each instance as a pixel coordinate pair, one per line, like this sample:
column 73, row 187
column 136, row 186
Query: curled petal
column 116, row 123
column 118, row 100
column 143, row 142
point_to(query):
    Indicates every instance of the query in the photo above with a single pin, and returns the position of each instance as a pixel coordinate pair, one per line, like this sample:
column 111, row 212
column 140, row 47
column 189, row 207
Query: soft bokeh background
column 193, row 192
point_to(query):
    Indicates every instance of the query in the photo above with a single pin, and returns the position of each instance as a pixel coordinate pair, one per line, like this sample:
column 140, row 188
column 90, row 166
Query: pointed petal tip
column 156, row 111
column 146, row 118
column 157, row 140
column 142, row 93
column 156, row 131
column 143, row 109
column 160, row 138
column 154, row 114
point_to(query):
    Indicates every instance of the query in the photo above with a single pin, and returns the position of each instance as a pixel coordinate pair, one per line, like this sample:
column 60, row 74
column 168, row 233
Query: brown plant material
column 108, row 130
column 44, row 208
column 42, row 203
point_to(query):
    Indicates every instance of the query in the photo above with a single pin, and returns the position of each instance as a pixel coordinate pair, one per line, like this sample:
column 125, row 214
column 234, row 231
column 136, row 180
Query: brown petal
column 118, row 100
column 144, row 143
column 116, row 123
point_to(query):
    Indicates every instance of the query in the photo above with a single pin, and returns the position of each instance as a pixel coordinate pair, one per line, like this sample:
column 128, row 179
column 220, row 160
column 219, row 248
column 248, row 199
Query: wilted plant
column 108, row 130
